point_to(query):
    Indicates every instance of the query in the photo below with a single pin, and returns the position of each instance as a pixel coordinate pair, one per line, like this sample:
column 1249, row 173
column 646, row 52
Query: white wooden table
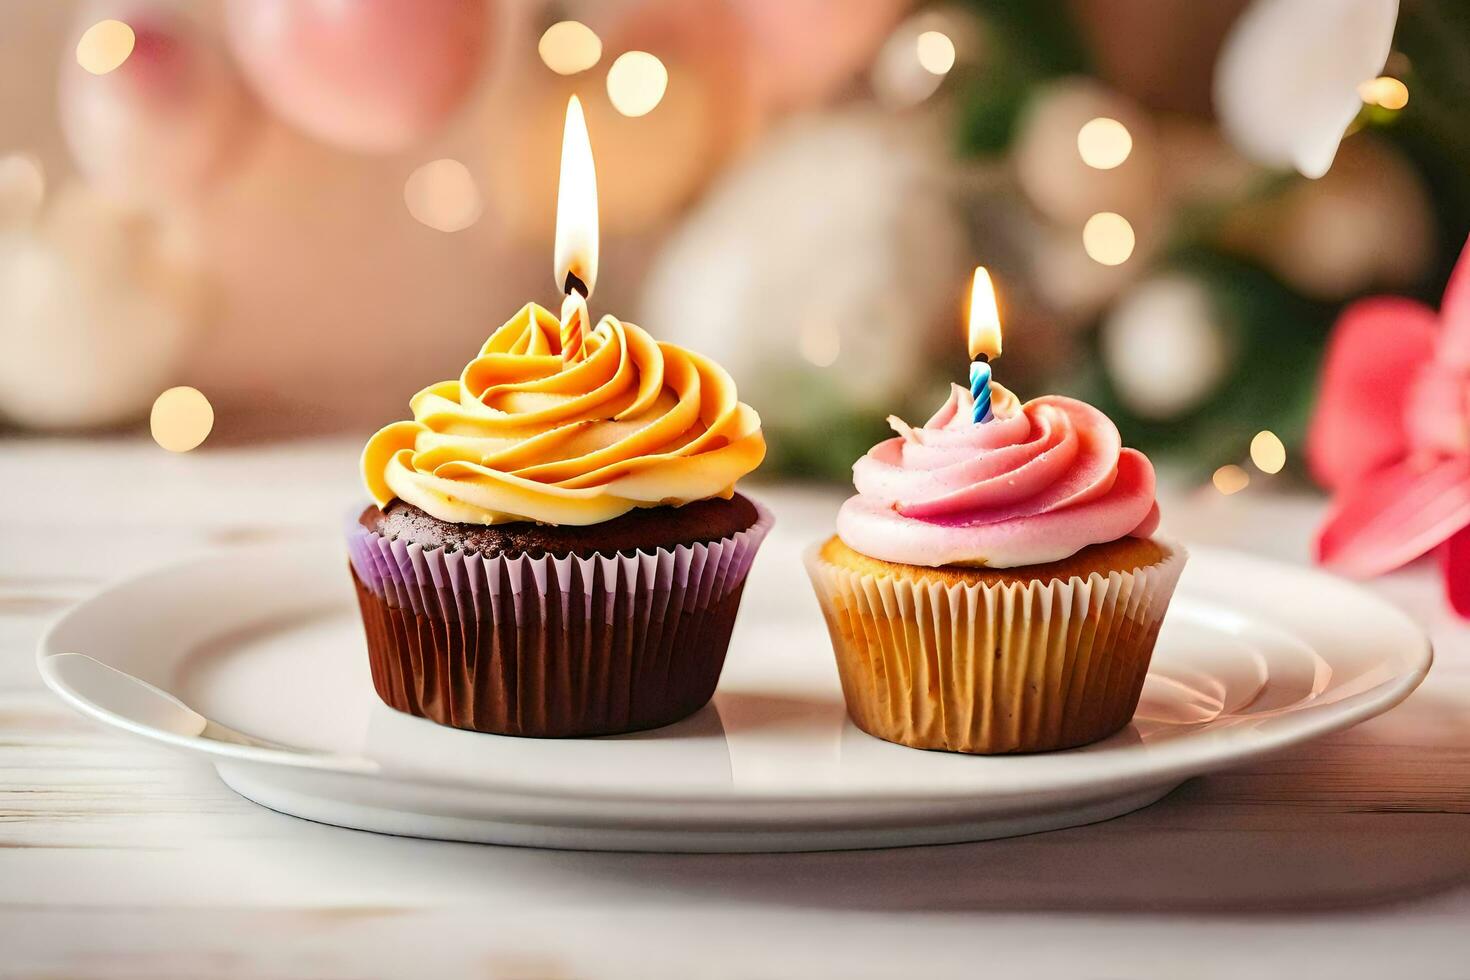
column 1347, row 857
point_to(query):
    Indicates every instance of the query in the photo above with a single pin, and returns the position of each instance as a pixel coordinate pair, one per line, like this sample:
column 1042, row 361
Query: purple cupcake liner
column 550, row 646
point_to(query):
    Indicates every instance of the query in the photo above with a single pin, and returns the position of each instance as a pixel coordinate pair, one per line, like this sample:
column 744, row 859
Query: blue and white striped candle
column 980, row 388
column 984, row 341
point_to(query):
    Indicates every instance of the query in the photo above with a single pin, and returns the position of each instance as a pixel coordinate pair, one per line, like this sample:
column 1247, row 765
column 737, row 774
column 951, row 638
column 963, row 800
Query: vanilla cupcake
column 996, row 586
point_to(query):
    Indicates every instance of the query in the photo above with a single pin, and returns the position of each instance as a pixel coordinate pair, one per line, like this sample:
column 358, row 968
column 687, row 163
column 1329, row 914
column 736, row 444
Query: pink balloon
column 370, row 75
column 807, row 49
column 164, row 123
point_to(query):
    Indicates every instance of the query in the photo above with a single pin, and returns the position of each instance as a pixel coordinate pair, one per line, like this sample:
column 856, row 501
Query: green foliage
column 820, row 434
column 1277, row 337
column 1025, row 43
column 1434, row 129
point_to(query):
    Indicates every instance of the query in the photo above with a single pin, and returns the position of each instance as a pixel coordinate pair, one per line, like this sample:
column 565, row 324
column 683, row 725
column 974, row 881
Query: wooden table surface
column 1346, row 857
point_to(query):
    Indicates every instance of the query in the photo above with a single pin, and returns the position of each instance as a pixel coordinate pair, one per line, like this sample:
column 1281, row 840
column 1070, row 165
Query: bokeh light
column 1385, row 91
column 1104, row 143
column 1393, row 94
column 636, row 83
column 819, row 342
column 443, row 195
column 22, row 187
column 1231, row 479
column 914, row 60
column 1268, row 452
column 181, row 419
column 1164, row 347
column 1108, row 238
column 935, row 51
column 569, row 47
column 105, row 46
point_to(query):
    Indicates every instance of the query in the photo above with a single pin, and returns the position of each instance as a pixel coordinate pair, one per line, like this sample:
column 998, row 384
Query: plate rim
column 1192, row 756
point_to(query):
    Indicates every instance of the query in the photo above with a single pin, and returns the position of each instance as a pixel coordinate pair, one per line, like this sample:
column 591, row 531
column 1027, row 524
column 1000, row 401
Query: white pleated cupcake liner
column 1013, row 667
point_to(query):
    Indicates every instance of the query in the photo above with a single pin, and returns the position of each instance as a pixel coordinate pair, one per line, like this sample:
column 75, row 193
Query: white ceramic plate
column 266, row 645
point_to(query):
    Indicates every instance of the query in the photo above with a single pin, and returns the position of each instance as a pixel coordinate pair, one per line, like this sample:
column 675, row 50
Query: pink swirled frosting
column 1037, row 483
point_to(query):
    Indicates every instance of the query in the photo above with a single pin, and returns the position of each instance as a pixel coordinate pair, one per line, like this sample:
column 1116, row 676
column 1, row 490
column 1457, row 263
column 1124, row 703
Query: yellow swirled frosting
column 521, row 436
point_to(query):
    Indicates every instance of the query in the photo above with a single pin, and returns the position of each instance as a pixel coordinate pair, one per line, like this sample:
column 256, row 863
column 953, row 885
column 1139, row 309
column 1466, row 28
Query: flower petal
column 1454, row 312
column 1393, row 516
column 1286, row 82
column 1376, row 351
column 1454, row 557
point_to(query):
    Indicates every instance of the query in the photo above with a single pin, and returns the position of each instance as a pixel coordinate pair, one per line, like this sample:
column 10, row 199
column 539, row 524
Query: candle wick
column 983, row 358
column 575, row 284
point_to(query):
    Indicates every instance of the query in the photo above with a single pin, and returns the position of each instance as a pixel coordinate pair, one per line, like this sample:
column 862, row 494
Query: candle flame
column 984, row 317
column 576, row 205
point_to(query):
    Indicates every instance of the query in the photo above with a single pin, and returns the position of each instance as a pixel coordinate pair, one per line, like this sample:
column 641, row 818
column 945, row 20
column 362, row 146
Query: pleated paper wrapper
column 989, row 669
column 549, row 647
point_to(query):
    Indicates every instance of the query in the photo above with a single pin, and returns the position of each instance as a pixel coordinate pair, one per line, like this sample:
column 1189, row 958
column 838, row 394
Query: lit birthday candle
column 984, row 340
column 575, row 263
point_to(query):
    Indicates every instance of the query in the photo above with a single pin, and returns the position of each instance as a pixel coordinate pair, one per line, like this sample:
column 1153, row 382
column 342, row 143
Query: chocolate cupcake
column 555, row 546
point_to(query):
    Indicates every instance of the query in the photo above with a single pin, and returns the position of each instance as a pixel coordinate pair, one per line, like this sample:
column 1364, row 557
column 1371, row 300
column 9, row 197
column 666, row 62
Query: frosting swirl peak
column 523, row 436
column 1035, row 484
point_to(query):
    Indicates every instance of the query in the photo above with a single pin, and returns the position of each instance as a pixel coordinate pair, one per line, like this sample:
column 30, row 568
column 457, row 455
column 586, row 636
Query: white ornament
column 1050, row 167
column 904, row 73
column 1164, row 348
column 95, row 315
column 1286, row 83
column 1368, row 222
column 1072, row 282
column 834, row 251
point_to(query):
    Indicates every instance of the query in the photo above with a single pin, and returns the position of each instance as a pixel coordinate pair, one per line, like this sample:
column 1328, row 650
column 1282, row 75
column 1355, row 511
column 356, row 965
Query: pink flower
column 1391, row 436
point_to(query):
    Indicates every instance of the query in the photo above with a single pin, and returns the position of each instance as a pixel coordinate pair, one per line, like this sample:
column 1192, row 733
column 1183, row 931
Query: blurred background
column 309, row 209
